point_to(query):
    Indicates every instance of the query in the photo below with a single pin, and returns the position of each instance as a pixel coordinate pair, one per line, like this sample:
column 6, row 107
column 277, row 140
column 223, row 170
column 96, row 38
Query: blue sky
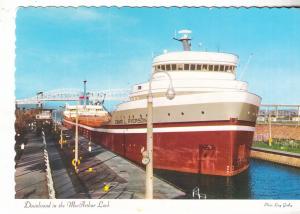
column 113, row 47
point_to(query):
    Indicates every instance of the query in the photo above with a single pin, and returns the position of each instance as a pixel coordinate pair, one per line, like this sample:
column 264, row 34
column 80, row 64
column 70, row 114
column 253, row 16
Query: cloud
column 82, row 14
column 85, row 14
column 67, row 14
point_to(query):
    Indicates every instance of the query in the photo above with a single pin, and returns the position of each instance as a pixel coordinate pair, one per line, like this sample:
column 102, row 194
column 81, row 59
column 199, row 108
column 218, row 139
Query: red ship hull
column 224, row 151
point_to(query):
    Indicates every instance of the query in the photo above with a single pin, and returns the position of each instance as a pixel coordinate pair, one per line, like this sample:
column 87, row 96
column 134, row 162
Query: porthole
column 202, row 112
column 182, row 113
column 169, row 114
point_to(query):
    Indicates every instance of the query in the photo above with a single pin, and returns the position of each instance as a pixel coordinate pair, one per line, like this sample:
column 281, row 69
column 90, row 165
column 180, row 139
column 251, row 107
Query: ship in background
column 207, row 128
column 92, row 115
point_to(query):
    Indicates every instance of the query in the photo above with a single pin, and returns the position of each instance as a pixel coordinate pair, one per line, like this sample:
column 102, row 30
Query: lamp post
column 61, row 138
column 55, row 120
column 298, row 118
column 148, row 159
column 270, row 130
column 76, row 139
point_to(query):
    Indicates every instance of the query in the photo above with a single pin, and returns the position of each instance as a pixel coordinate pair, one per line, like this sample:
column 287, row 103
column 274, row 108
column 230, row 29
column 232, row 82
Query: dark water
column 263, row 180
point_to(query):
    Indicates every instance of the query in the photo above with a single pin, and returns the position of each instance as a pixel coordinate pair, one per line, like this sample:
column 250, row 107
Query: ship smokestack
column 185, row 40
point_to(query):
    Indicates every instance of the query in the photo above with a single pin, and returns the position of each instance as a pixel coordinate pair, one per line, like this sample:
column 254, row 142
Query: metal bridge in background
column 74, row 95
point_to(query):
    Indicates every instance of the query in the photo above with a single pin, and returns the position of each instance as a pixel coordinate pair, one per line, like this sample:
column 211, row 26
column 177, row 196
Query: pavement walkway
column 30, row 170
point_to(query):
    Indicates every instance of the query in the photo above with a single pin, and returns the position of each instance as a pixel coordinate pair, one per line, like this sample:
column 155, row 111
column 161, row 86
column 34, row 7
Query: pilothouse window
column 193, row 67
column 168, row 67
column 222, row 68
column 199, row 68
column 180, row 67
column 186, row 67
column 216, row 67
column 226, row 68
column 173, row 67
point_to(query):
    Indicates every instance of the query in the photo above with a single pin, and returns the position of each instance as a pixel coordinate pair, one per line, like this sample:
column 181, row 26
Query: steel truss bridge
column 75, row 95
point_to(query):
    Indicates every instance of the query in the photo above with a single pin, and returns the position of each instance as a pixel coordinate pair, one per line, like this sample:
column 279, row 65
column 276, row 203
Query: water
column 263, row 180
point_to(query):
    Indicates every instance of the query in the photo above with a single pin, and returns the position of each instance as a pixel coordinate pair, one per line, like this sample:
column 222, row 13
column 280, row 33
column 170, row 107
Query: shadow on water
column 263, row 180
column 215, row 187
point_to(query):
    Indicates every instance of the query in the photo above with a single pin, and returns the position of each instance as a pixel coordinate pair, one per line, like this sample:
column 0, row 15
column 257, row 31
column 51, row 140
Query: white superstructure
column 198, row 78
column 88, row 110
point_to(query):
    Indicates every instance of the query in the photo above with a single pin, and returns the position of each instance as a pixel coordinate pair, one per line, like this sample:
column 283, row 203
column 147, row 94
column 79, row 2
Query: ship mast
column 185, row 40
column 84, row 93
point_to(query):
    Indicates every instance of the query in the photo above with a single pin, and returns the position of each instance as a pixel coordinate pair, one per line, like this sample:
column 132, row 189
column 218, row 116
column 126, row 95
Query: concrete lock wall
column 277, row 158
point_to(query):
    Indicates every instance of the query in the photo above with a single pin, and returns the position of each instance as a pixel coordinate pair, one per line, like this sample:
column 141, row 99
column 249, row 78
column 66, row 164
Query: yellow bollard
column 270, row 141
column 106, row 188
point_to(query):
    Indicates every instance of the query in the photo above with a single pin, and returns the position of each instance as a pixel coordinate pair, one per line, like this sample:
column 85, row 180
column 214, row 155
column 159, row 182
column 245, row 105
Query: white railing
column 279, row 113
column 50, row 184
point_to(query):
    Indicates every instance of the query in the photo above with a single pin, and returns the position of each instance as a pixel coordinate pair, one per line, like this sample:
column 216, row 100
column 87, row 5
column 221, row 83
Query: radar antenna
column 185, row 40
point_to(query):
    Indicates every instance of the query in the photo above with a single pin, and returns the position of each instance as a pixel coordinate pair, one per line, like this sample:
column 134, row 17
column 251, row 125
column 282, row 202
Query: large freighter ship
column 207, row 128
column 90, row 115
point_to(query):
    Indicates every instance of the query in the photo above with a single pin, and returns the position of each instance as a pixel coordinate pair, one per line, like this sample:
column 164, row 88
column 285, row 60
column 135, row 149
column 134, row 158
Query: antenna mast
column 84, row 92
column 246, row 65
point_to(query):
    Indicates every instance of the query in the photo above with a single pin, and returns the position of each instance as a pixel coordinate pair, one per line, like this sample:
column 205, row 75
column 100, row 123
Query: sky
column 114, row 47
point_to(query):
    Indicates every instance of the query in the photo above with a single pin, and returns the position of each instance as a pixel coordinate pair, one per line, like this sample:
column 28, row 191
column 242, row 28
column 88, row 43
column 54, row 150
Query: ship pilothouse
column 192, row 71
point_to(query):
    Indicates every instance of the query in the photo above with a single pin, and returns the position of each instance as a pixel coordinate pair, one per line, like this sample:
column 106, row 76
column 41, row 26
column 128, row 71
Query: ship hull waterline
column 213, row 148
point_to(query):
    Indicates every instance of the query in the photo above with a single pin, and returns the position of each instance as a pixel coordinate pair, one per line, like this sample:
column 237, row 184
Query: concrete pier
column 109, row 176
column 129, row 180
column 101, row 174
column 286, row 158
column 30, row 170
column 63, row 184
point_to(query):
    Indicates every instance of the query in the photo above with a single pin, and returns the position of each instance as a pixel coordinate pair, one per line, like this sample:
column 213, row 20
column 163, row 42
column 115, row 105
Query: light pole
column 298, row 118
column 76, row 139
column 61, row 138
column 55, row 120
column 148, row 159
column 270, row 130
